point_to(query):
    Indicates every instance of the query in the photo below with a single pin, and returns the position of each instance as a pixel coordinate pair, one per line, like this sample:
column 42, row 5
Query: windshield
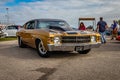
column 57, row 25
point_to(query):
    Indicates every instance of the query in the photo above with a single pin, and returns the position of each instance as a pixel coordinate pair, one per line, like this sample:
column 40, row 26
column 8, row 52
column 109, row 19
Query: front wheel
column 41, row 50
column 84, row 51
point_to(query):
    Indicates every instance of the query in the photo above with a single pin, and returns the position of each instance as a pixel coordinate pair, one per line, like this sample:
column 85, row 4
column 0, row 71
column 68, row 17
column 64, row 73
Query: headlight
column 93, row 39
column 56, row 40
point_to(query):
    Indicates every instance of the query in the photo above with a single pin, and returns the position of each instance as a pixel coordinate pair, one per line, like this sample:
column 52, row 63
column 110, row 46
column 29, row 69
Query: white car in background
column 10, row 31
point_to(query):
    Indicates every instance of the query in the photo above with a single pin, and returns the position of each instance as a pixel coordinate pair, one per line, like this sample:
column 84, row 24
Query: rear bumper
column 73, row 46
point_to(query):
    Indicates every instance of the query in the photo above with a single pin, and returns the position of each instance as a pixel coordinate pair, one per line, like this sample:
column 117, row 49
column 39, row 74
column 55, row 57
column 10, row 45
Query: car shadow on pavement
column 63, row 54
column 31, row 53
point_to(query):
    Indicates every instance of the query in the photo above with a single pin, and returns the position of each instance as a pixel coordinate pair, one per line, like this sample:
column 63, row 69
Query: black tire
column 84, row 51
column 20, row 43
column 41, row 50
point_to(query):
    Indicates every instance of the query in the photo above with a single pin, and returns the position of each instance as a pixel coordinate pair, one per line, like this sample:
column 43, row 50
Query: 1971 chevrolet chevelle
column 47, row 35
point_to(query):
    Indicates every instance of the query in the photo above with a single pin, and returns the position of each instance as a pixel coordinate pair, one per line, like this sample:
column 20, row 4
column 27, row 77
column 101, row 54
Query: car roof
column 47, row 20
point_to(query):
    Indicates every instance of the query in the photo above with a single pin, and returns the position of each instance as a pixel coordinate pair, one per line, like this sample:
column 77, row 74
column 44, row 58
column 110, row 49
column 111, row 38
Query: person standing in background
column 102, row 26
column 114, row 30
column 82, row 26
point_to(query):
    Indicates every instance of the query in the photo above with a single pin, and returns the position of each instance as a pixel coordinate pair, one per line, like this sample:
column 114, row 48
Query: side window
column 30, row 25
column 42, row 25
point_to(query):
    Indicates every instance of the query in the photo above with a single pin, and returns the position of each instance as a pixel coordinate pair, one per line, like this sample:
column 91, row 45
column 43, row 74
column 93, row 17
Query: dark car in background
column 108, row 33
column 118, row 32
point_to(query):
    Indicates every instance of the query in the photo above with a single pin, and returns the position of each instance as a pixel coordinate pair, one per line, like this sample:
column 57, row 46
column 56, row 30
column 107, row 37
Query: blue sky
column 21, row 11
column 17, row 2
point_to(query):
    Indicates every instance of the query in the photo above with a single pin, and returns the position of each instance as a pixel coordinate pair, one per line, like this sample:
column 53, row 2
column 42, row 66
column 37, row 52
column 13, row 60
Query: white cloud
column 69, row 10
column 4, row 1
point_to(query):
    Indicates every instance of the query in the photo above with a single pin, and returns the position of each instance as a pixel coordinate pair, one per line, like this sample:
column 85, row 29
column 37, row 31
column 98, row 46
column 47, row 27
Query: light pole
column 7, row 9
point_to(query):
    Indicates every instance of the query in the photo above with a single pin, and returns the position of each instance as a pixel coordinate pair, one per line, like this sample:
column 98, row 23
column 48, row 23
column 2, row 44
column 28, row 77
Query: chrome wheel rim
column 41, row 48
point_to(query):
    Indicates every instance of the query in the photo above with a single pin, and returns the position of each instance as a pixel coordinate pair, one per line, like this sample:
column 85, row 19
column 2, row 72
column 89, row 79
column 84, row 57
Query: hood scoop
column 71, row 32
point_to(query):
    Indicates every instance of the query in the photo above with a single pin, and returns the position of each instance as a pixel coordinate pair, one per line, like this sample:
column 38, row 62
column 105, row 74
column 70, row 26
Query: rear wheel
column 41, row 49
column 84, row 51
column 20, row 43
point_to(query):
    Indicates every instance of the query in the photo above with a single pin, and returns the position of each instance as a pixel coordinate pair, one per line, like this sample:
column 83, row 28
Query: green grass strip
column 8, row 39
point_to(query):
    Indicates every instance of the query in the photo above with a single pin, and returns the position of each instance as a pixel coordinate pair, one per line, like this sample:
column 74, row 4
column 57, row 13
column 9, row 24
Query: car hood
column 78, row 32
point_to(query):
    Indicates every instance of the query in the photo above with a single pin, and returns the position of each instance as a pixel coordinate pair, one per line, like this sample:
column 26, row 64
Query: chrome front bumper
column 73, row 46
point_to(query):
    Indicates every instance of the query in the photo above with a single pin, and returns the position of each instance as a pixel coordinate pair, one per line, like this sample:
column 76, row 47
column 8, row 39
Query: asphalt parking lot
column 24, row 64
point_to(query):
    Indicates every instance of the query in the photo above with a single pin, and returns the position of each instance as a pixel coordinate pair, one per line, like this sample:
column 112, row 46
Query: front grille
column 76, row 39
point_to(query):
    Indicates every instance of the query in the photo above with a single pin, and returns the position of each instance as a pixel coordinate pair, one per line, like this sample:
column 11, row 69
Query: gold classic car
column 48, row 35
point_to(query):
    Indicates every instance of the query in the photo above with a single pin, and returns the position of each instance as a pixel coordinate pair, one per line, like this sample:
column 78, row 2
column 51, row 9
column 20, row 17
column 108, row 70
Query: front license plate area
column 79, row 48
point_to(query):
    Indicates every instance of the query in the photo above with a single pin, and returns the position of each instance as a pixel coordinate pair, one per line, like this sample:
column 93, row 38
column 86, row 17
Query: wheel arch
column 37, row 40
column 40, row 40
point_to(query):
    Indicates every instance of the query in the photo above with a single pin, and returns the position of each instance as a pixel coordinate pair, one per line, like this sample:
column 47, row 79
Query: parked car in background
column 119, row 32
column 108, row 33
column 10, row 31
column 47, row 35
